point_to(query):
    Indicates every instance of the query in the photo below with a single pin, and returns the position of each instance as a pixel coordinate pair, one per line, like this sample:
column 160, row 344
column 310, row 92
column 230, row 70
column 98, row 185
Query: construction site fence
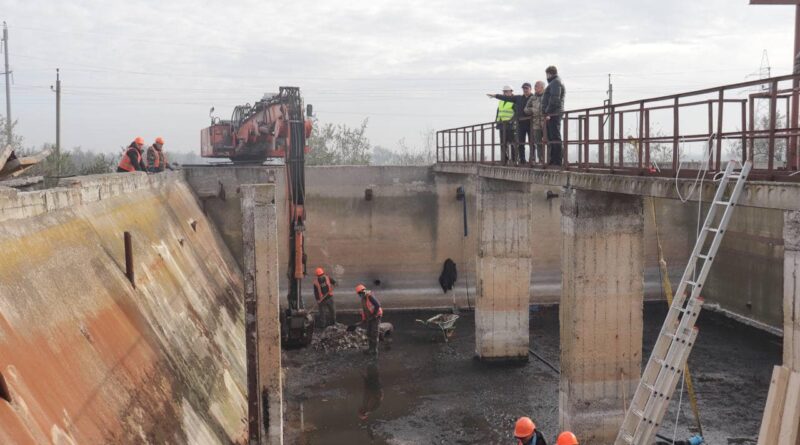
column 680, row 134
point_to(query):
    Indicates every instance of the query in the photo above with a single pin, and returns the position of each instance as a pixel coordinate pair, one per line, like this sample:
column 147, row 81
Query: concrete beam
column 262, row 312
column 503, row 270
column 602, row 257
column 791, row 290
column 762, row 194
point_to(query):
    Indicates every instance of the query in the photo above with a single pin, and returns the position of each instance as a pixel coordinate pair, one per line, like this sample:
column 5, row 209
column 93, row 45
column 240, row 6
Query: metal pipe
column 129, row 259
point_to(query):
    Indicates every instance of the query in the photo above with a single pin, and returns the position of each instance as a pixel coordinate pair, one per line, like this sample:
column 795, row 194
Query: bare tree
column 339, row 145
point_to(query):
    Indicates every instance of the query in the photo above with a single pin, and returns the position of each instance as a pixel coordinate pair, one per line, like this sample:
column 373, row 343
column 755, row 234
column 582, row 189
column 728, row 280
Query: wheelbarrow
column 444, row 323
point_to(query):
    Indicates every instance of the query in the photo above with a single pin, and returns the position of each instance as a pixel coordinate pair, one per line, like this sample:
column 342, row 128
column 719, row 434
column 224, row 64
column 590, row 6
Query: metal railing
column 678, row 134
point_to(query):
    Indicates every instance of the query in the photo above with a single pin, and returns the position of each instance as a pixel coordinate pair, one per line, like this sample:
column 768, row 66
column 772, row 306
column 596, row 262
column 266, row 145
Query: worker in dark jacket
column 323, row 292
column 521, row 120
column 132, row 159
column 552, row 107
column 371, row 313
column 526, row 433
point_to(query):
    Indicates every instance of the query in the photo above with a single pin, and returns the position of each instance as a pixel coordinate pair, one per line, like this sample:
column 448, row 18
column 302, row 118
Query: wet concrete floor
column 421, row 390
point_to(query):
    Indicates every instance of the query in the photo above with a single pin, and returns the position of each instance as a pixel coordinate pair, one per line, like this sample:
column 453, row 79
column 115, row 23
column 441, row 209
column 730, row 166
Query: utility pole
column 793, row 155
column 58, row 121
column 610, row 90
column 8, row 85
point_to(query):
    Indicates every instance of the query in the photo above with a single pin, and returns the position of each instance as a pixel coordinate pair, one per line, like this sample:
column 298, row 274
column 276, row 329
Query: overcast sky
column 155, row 68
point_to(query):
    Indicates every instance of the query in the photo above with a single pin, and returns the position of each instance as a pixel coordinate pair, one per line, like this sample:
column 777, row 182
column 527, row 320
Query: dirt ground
column 421, row 390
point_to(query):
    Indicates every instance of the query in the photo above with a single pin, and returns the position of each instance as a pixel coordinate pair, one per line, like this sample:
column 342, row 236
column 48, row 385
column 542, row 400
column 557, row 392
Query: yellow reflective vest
column 505, row 111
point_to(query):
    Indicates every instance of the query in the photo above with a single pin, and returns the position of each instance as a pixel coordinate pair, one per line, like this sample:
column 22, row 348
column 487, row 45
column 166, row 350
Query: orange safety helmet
column 139, row 140
column 160, row 140
column 320, row 272
column 524, row 428
column 360, row 288
column 566, row 438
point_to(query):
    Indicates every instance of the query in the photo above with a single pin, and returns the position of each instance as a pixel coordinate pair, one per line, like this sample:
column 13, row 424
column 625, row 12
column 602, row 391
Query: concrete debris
column 335, row 338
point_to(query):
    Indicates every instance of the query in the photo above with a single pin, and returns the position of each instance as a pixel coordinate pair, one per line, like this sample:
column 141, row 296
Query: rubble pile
column 336, row 338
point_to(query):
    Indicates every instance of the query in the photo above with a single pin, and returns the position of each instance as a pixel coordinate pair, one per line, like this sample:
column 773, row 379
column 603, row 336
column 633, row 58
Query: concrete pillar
column 503, row 270
column 791, row 290
column 262, row 312
column 602, row 279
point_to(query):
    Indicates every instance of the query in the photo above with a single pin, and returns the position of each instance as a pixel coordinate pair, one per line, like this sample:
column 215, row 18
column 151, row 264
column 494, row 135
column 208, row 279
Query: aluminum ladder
column 678, row 334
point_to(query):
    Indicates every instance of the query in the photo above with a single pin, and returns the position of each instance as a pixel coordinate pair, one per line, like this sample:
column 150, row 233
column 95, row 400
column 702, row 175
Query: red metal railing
column 667, row 135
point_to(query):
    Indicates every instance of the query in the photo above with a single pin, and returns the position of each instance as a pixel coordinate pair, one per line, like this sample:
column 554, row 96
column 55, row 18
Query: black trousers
column 554, row 139
column 327, row 312
column 524, row 134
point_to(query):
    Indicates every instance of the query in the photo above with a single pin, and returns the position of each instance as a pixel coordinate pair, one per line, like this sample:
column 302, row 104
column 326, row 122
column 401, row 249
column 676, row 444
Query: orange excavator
column 274, row 127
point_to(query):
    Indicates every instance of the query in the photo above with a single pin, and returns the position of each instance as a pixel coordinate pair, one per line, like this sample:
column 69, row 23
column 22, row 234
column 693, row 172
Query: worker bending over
column 371, row 313
column 526, row 434
column 323, row 292
column 156, row 157
column 132, row 158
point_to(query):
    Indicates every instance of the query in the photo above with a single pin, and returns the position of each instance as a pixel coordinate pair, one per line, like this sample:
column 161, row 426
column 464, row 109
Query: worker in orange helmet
column 323, row 292
column 132, row 159
column 371, row 313
column 526, row 433
column 156, row 157
column 567, row 438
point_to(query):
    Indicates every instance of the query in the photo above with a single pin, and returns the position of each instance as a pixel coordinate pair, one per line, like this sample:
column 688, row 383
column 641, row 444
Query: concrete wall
column 399, row 239
column 89, row 359
column 746, row 278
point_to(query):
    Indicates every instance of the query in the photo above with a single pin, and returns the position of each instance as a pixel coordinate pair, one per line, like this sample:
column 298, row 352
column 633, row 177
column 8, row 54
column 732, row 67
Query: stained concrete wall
column 396, row 242
column 89, row 359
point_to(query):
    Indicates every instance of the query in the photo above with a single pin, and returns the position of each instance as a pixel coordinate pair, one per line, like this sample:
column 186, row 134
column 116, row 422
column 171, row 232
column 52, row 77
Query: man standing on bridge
column 520, row 120
column 533, row 109
column 505, row 121
column 552, row 107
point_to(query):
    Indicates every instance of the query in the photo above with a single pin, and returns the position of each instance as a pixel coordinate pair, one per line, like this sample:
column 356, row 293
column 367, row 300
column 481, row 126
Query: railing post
column 640, row 145
column 565, row 144
column 720, row 109
column 483, row 131
column 580, row 140
column 710, row 162
column 676, row 133
column 751, row 128
column 493, row 157
column 647, row 138
column 773, row 111
column 601, row 155
column 586, row 121
column 437, row 147
column 449, row 145
column 611, row 136
column 744, row 130
column 621, row 139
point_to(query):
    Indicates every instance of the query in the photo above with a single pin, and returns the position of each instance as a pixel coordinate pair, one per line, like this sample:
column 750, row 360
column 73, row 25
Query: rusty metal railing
column 668, row 135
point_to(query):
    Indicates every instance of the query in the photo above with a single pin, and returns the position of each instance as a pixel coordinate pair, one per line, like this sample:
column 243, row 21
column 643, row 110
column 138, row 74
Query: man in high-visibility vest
column 132, row 158
column 323, row 292
column 520, row 123
column 505, row 122
column 371, row 313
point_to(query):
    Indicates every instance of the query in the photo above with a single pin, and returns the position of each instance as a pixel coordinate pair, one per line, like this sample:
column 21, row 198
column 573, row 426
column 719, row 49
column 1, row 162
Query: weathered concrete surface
column 762, row 194
column 413, row 224
column 262, row 308
column 601, row 310
column 90, row 359
column 746, row 278
column 395, row 243
column 503, row 267
column 791, row 290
